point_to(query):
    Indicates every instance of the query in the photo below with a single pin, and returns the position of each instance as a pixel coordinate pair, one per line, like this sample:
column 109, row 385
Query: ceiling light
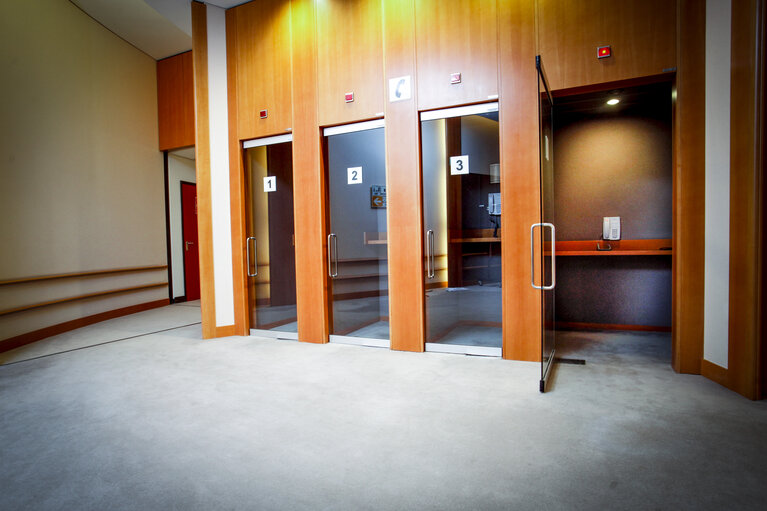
column 613, row 101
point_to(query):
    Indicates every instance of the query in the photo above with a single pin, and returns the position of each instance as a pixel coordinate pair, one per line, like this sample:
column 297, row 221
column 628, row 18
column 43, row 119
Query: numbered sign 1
column 270, row 184
column 459, row 164
column 354, row 175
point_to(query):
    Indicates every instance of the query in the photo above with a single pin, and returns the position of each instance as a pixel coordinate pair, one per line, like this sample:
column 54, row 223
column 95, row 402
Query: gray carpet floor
column 169, row 421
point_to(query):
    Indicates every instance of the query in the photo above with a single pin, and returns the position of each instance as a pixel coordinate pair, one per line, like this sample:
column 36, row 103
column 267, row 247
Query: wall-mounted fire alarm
column 603, row 52
column 349, row 97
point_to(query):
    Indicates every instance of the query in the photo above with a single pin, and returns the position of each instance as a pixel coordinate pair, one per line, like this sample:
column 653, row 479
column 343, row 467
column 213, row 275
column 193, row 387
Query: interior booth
column 355, row 163
column 270, row 243
column 462, row 229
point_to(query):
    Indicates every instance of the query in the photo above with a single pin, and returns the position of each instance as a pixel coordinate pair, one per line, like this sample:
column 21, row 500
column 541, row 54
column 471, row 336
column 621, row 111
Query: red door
column 189, row 228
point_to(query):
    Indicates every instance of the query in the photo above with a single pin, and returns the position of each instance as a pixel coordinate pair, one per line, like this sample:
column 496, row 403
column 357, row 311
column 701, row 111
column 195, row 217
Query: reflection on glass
column 461, row 203
column 546, row 125
column 271, row 251
column 357, row 192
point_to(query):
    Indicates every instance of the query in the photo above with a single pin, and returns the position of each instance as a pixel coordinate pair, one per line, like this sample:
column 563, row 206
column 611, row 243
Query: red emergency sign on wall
column 603, row 52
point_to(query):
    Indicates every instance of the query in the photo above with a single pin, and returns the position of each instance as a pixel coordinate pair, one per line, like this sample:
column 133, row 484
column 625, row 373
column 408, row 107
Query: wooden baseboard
column 30, row 337
column 574, row 325
column 714, row 372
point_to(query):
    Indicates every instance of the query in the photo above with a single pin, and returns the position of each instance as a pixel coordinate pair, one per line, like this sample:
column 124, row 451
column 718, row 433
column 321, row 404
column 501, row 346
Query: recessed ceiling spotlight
column 613, row 101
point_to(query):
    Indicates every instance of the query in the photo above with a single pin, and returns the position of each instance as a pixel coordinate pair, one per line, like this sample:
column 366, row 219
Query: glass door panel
column 462, row 218
column 357, row 250
column 547, row 229
column 270, row 243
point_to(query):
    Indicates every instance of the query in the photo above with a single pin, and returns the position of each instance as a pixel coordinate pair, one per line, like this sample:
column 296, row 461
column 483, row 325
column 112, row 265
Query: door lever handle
column 186, row 245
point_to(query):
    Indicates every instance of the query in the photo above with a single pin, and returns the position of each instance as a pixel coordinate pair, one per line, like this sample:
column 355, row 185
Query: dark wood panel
column 404, row 211
column 520, row 177
column 281, row 221
column 202, row 164
column 575, row 325
column 30, row 337
column 640, row 32
column 745, row 144
column 309, row 197
column 349, row 59
column 689, row 191
column 175, row 102
column 262, row 53
column 459, row 38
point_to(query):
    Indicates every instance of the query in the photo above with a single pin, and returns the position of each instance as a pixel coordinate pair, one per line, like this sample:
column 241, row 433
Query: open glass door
column 357, row 251
column 547, row 231
column 461, row 183
column 270, row 247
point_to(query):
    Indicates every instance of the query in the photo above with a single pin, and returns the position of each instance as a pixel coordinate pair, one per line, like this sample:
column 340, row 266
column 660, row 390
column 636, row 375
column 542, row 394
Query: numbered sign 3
column 354, row 175
column 459, row 164
column 270, row 183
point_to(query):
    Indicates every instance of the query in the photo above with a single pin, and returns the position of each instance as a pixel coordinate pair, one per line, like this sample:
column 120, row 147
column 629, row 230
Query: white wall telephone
column 611, row 228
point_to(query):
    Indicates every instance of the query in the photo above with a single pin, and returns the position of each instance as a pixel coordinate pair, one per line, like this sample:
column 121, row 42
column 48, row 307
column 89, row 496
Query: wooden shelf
column 619, row 248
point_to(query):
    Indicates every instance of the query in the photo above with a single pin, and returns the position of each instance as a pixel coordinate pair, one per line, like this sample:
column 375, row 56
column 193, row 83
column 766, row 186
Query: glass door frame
column 331, row 248
column 249, row 144
column 434, row 347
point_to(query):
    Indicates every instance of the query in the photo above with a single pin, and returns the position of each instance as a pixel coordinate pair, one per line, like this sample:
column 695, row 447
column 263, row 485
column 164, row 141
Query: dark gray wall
column 614, row 165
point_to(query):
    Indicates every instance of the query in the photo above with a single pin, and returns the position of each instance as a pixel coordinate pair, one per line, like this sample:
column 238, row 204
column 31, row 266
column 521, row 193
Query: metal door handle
column 186, row 245
column 255, row 253
column 553, row 256
column 430, row 270
column 333, row 262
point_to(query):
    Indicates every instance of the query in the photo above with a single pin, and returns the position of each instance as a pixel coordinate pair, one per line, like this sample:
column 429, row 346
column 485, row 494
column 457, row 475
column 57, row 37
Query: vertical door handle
column 430, row 270
column 333, row 261
column 255, row 253
column 553, row 256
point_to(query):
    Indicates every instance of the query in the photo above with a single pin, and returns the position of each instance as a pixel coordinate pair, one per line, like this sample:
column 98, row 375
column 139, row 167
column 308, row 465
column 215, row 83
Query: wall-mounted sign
column 270, row 184
column 263, row 114
column 378, row 196
column 603, row 52
column 399, row 89
column 349, row 97
column 455, row 78
column 459, row 165
column 354, row 175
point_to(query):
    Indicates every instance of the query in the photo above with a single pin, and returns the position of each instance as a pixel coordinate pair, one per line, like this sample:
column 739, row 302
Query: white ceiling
column 159, row 28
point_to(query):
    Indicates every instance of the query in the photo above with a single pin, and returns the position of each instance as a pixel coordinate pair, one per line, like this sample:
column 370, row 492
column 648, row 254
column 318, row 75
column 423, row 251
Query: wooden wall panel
column 689, row 169
column 309, row 192
column 640, row 32
column 262, row 56
column 175, row 102
column 745, row 145
column 456, row 37
column 403, row 180
column 202, row 163
column 520, row 177
column 349, row 59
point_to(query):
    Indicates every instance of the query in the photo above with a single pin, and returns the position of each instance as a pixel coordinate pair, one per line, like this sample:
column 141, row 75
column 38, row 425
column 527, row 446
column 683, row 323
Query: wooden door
column 189, row 229
column 456, row 37
column 349, row 60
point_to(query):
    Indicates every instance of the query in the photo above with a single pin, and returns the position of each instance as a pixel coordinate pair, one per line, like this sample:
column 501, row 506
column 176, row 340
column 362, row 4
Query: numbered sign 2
column 459, row 164
column 270, row 184
column 354, row 175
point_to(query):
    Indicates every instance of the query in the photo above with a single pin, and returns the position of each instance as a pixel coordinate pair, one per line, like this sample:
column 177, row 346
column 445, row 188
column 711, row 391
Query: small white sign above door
column 270, row 184
column 399, row 89
column 354, row 175
column 459, row 164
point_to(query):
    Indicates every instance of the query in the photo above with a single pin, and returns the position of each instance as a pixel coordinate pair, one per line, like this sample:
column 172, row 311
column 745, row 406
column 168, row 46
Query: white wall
column 81, row 178
column 219, row 167
column 717, row 211
column 179, row 169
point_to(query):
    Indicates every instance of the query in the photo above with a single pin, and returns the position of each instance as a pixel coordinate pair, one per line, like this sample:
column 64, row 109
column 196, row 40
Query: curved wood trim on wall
column 83, row 297
column 24, row 280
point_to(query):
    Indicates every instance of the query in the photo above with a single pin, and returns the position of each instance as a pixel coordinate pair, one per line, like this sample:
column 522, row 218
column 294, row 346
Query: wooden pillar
column 403, row 163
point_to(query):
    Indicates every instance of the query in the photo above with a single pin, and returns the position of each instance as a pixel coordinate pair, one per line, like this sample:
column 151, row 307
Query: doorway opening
column 462, row 236
column 613, row 196
column 181, row 226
